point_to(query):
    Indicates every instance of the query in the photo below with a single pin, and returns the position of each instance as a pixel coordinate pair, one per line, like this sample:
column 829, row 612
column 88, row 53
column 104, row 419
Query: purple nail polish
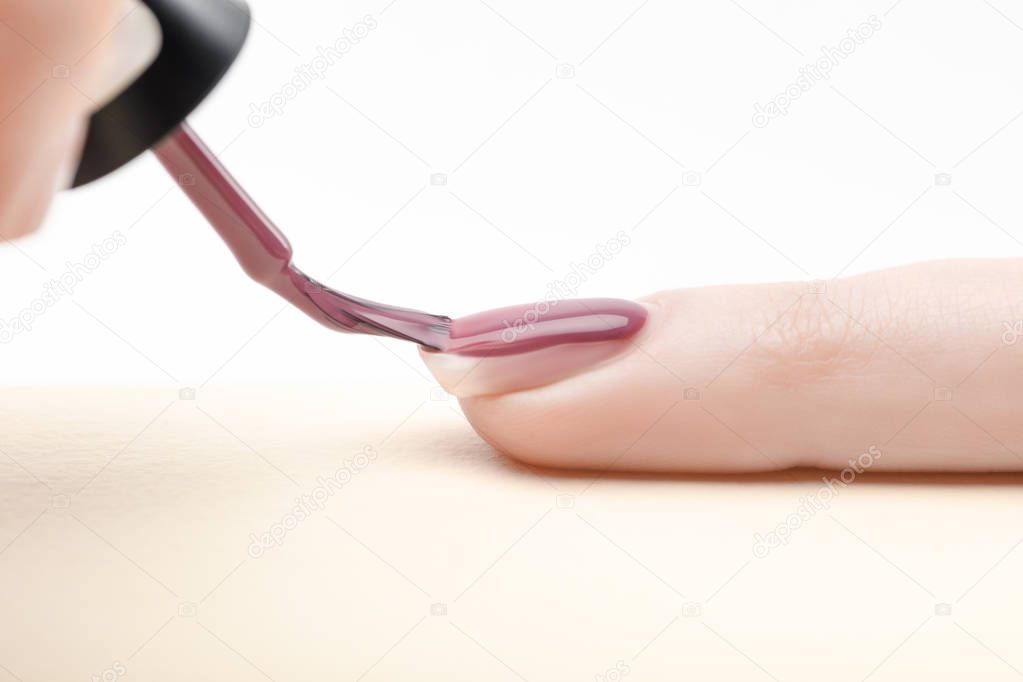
column 521, row 329
column 266, row 256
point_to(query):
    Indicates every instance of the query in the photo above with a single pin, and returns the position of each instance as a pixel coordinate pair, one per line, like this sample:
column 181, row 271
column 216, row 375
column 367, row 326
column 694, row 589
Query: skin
column 916, row 362
column 49, row 76
column 912, row 363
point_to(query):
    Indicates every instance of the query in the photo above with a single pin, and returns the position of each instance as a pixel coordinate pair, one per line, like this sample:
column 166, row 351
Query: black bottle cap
column 201, row 39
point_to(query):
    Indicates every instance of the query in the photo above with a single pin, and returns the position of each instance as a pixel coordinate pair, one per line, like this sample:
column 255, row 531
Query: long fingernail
column 512, row 349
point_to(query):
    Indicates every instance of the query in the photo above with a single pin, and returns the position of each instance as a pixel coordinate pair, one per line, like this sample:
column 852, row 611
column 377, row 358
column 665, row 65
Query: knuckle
column 806, row 337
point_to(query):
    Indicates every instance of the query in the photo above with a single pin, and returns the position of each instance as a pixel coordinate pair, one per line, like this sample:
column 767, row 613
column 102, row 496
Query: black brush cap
column 201, row 39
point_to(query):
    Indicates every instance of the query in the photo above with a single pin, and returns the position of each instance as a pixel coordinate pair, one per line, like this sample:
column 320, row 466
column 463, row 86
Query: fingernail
column 123, row 55
column 513, row 349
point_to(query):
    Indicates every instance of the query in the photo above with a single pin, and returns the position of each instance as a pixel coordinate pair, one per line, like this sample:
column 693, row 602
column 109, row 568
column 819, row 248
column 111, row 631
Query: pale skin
column 48, row 74
column 918, row 362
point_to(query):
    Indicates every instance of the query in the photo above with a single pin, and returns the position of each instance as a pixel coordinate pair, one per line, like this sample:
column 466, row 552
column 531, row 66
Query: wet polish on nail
column 522, row 329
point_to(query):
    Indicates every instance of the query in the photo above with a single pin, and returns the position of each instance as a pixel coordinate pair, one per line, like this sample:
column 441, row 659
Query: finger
column 913, row 369
column 58, row 62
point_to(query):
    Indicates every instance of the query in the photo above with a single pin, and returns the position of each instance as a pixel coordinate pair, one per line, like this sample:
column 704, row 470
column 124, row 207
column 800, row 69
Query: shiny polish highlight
column 523, row 329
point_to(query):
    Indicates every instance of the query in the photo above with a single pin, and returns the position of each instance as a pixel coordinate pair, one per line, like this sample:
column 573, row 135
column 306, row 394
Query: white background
column 652, row 135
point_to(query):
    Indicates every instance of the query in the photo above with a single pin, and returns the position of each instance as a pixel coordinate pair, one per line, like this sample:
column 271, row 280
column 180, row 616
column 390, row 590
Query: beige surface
column 126, row 515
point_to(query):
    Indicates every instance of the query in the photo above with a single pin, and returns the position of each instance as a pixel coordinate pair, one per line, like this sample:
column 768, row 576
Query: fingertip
column 30, row 178
column 58, row 55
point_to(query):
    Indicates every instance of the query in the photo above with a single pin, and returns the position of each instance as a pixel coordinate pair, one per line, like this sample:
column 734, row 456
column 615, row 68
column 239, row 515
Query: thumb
column 59, row 60
column 915, row 368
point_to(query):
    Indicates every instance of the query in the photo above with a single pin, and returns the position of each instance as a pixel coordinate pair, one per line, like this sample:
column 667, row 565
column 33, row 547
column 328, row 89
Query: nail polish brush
column 200, row 41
